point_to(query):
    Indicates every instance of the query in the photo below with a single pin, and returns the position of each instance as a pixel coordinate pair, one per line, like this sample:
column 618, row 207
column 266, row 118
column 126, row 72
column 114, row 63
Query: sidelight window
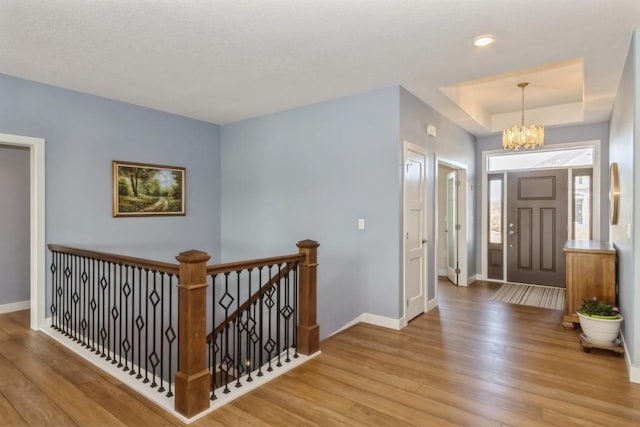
column 582, row 206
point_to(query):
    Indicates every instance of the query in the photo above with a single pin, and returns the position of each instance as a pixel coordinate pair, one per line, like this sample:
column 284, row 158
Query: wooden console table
column 591, row 271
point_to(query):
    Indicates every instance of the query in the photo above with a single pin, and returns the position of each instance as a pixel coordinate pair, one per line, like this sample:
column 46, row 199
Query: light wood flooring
column 472, row 361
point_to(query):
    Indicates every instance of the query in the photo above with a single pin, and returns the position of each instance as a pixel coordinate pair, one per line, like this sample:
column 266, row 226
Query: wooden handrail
column 255, row 297
column 162, row 267
column 254, row 263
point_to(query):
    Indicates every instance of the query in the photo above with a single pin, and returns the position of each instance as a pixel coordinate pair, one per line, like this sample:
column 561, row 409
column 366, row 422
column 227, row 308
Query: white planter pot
column 600, row 331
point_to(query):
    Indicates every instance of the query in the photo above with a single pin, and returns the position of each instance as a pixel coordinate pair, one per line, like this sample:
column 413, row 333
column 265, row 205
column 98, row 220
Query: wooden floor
column 472, row 362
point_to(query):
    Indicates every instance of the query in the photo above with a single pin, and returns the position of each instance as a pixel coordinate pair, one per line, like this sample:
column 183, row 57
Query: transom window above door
column 548, row 159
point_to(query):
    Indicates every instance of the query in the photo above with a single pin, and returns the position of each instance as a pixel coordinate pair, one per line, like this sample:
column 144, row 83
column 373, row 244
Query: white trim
column 374, row 319
column 432, row 303
column 37, row 220
column 463, row 209
column 634, row 371
column 385, row 322
column 15, row 306
column 474, row 278
column 597, row 164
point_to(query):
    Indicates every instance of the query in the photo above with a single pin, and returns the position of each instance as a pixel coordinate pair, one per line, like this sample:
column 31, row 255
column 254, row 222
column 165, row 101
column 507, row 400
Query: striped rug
column 532, row 295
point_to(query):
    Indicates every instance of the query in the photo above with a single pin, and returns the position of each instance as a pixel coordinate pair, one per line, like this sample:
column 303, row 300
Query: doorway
column 529, row 196
column 452, row 222
column 37, row 250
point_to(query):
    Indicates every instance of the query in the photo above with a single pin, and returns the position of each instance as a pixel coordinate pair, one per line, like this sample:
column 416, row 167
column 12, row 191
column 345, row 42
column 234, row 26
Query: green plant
column 595, row 307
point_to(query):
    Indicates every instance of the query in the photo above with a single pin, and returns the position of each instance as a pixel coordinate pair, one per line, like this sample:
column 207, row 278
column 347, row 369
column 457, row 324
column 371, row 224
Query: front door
column 536, row 227
column 415, row 254
column 452, row 227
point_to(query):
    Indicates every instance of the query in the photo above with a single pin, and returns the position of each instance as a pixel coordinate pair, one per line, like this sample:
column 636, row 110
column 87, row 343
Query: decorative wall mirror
column 614, row 193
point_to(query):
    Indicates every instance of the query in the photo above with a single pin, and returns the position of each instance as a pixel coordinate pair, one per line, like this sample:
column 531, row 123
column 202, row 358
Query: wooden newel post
column 193, row 377
column 308, row 329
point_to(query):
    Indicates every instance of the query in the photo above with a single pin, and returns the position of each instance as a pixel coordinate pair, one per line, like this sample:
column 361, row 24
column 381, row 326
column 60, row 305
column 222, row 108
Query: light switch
column 361, row 224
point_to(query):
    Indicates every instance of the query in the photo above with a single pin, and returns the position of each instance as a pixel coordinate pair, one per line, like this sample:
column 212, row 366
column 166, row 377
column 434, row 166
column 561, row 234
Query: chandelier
column 521, row 136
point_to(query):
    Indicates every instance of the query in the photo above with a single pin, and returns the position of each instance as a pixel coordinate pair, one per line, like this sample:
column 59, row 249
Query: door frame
column 484, row 216
column 463, row 218
column 452, row 228
column 414, row 147
column 37, row 249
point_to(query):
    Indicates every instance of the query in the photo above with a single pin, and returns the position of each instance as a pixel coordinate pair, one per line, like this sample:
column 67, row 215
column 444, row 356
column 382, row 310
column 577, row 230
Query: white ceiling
column 226, row 60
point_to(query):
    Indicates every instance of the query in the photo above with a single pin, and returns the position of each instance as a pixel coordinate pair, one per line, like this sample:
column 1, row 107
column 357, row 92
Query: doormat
column 531, row 295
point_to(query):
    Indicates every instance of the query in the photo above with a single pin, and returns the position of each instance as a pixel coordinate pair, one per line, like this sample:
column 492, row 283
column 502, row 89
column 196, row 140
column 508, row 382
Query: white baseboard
column 15, row 306
column 442, row 272
column 634, row 371
column 374, row 319
column 385, row 322
column 431, row 304
column 474, row 278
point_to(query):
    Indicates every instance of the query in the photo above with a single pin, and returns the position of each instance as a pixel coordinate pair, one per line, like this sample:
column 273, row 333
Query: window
column 566, row 158
column 581, row 226
column 495, row 209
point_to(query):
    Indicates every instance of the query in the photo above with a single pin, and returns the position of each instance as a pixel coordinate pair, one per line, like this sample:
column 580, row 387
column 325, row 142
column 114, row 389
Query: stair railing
column 149, row 318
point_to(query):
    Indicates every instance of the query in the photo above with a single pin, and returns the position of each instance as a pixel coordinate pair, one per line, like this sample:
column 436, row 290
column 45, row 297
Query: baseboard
column 633, row 371
column 15, row 306
column 385, row 322
column 473, row 278
column 442, row 273
column 431, row 304
column 373, row 319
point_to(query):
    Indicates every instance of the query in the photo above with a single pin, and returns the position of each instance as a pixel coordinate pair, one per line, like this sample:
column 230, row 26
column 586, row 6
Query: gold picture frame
column 614, row 193
column 141, row 189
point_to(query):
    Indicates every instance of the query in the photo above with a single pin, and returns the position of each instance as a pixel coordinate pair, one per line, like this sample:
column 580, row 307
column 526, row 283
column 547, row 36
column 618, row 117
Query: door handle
column 424, row 241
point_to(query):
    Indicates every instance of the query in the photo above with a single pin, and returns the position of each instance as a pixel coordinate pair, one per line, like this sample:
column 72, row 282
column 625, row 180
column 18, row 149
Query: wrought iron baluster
column 261, row 328
column 128, row 308
column 270, row 344
column 74, row 295
column 139, row 323
column 108, row 312
column 213, row 344
column 146, row 330
column 286, row 312
column 153, row 357
column 226, row 362
column 238, row 335
column 295, row 309
column 249, row 330
column 119, row 344
column 161, row 388
column 278, row 315
column 103, row 308
column 171, row 336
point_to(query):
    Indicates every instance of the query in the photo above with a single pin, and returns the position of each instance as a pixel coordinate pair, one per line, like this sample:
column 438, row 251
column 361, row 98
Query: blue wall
column 14, row 226
column 453, row 144
column 624, row 149
column 83, row 135
column 311, row 173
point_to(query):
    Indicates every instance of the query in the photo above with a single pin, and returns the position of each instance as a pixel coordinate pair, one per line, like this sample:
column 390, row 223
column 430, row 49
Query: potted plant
column 600, row 321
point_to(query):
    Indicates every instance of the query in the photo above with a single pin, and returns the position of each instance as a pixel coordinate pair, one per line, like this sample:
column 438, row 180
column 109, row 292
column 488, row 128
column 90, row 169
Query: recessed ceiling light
column 483, row 40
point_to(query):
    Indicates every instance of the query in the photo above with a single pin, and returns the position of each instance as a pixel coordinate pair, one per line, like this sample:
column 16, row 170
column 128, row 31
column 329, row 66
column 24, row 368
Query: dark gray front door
column 536, row 227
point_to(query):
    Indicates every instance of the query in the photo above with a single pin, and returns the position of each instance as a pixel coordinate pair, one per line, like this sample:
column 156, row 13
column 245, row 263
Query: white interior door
column 415, row 242
column 452, row 226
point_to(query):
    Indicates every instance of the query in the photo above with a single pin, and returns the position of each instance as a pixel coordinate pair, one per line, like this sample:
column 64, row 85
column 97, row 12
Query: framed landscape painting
column 148, row 190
